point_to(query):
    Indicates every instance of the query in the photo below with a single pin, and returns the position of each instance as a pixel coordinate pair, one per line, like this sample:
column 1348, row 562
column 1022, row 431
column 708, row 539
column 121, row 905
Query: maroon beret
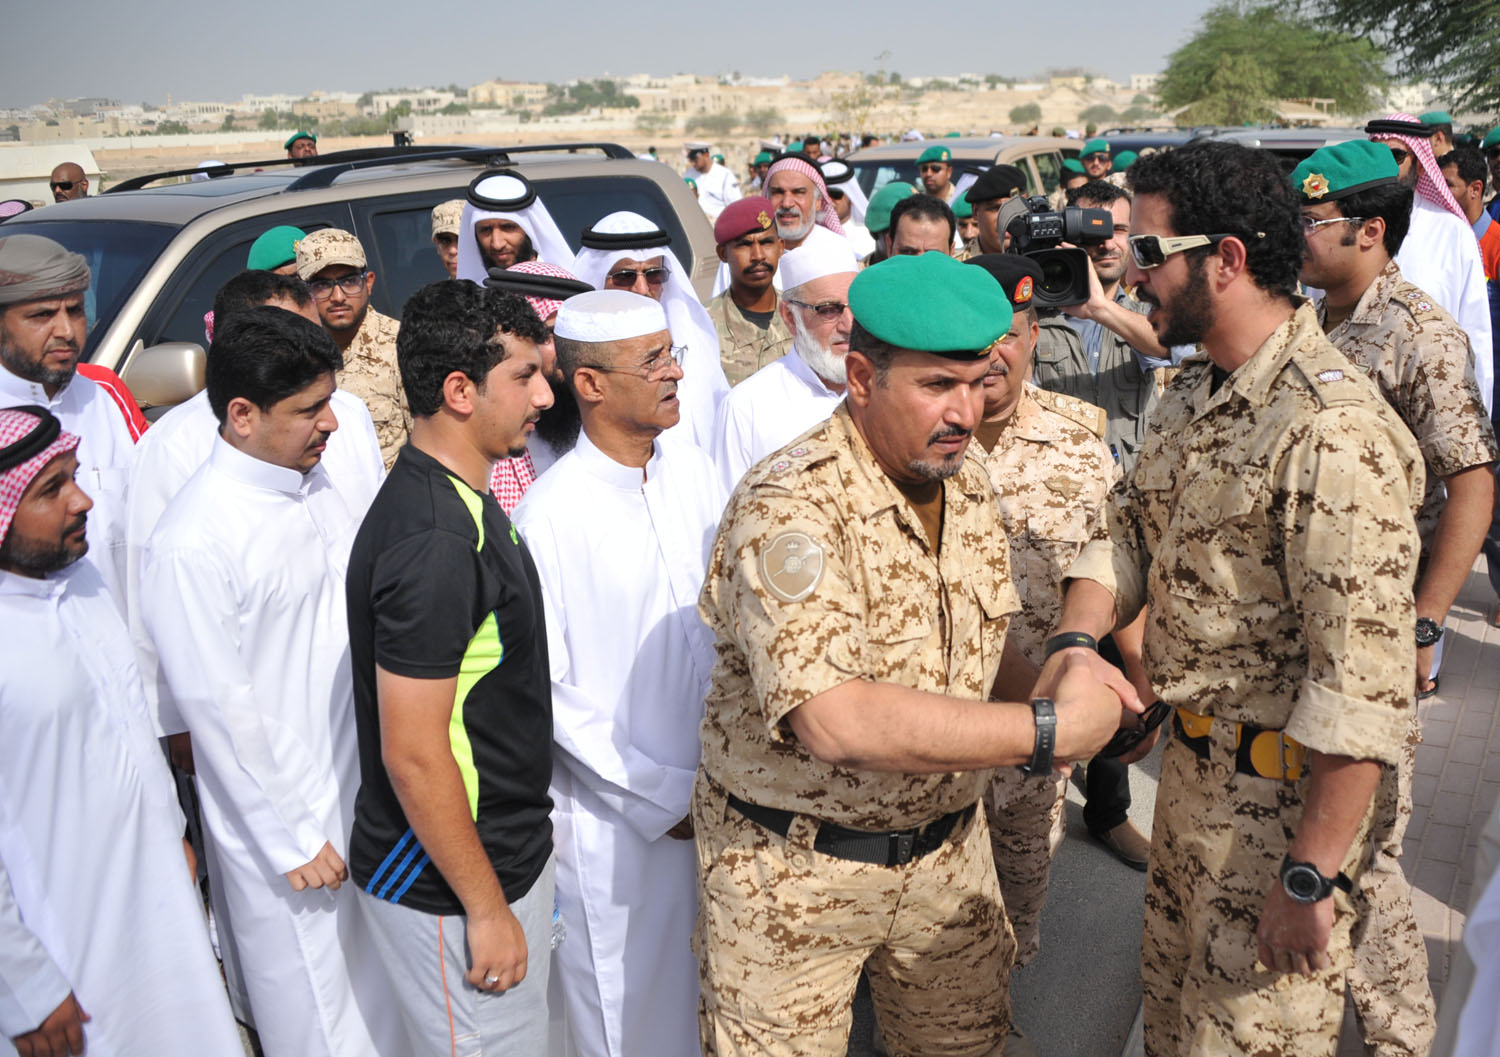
column 745, row 217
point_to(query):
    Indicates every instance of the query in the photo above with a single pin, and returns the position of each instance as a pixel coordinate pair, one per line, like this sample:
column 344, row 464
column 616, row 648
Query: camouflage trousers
column 783, row 932
column 1027, row 823
column 1217, row 844
column 1388, row 981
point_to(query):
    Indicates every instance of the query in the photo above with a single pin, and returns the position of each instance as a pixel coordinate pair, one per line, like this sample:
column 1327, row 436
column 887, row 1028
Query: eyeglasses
column 1152, row 251
column 62, row 185
column 835, row 193
column 1400, row 155
column 824, row 309
column 1096, row 156
column 625, row 278
column 932, row 166
column 653, row 369
column 1309, row 225
column 351, row 284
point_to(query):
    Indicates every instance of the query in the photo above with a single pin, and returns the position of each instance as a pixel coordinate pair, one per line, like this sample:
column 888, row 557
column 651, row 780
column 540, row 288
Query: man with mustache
column 804, row 212
column 242, row 592
column 630, row 660
column 751, row 331
column 43, row 329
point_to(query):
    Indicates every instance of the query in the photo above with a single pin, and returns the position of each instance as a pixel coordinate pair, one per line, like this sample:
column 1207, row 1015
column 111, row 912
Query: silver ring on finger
column 491, row 980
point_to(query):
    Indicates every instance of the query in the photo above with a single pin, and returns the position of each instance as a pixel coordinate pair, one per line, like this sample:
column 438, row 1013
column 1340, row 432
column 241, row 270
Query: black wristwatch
column 1304, row 884
column 1045, row 714
column 1428, row 632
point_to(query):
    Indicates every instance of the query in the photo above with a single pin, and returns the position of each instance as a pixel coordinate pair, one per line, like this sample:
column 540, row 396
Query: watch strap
column 1066, row 640
column 1044, row 713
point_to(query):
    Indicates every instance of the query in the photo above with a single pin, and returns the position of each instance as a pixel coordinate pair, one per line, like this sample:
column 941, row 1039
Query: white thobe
column 86, row 410
column 630, row 664
column 172, row 450
column 767, row 411
column 242, row 590
column 1440, row 256
column 717, row 189
column 95, row 895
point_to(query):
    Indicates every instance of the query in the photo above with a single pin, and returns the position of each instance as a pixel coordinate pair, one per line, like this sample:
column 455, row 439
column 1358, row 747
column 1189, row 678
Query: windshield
column 118, row 253
column 873, row 175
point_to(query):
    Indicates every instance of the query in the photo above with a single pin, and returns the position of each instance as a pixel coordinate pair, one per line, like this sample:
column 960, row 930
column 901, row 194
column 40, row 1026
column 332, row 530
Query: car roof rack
column 328, row 167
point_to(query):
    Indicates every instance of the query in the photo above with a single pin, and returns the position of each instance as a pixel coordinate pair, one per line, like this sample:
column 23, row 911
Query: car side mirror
column 165, row 375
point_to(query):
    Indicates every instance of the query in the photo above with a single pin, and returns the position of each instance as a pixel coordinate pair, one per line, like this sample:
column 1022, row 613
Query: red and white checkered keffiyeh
column 511, row 477
column 1430, row 182
column 826, row 216
column 17, row 423
column 542, row 306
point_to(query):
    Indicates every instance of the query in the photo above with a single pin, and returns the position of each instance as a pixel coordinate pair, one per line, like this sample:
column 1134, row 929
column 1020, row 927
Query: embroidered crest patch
column 791, row 566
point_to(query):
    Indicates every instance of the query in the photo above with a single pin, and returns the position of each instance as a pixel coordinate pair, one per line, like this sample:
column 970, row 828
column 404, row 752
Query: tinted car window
column 872, row 176
column 118, row 254
column 577, row 203
column 1049, row 168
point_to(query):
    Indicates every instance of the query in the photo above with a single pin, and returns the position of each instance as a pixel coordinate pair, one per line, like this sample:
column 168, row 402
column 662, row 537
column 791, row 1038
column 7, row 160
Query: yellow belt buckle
column 1293, row 757
column 1194, row 725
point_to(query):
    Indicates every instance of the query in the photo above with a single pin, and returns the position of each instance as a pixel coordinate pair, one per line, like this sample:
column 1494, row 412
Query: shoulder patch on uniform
column 1329, row 385
column 791, row 566
column 1331, row 375
column 1079, row 412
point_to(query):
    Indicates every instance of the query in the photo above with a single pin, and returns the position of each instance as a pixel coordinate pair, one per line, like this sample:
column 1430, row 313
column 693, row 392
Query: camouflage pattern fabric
column 370, row 373
column 743, row 347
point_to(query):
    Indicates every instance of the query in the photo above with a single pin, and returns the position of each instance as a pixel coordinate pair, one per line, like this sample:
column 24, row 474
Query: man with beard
column 751, row 331
column 68, row 182
column 1268, row 523
column 1355, row 211
column 1439, row 254
column 332, row 264
column 43, row 329
column 545, row 288
column 301, row 146
column 793, row 394
column 804, row 212
column 630, row 661
column 102, row 940
column 935, row 172
column 504, row 223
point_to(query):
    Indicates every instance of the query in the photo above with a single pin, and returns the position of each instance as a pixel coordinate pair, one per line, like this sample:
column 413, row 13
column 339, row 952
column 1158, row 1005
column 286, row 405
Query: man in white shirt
column 804, row 212
column 42, row 333
column 718, row 188
column 102, row 940
column 793, row 394
column 248, row 615
column 505, row 223
column 630, row 662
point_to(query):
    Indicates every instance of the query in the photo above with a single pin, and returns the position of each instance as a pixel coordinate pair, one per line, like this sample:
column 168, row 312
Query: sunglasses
column 62, row 185
column 1096, row 156
column 824, row 309
column 933, row 166
column 1125, row 740
column 625, row 278
column 1152, row 251
column 834, row 192
column 322, row 289
column 1400, row 155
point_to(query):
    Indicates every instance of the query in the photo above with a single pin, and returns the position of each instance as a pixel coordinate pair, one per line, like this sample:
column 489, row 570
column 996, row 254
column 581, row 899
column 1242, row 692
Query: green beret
column 1074, row 165
column 1330, row 173
column 1125, row 159
column 1097, row 145
column 299, row 134
column 1491, row 138
column 878, row 212
column 953, row 135
column 690, row 182
column 961, row 207
column 719, row 158
column 276, row 247
column 764, row 158
column 931, row 303
column 1436, row 117
column 936, row 152
column 794, row 146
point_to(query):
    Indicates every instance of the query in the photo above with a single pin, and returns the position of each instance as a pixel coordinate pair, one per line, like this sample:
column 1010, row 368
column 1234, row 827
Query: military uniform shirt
column 370, row 373
column 1052, row 474
column 1271, row 525
column 745, row 348
column 1419, row 358
column 820, row 574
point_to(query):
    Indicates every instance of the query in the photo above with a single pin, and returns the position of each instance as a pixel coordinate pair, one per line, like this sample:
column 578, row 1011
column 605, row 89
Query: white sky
column 141, row 51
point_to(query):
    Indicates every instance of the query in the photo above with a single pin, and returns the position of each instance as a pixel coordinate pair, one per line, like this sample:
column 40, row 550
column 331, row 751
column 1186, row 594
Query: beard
column 524, row 252
column 16, row 362
column 36, row 558
column 560, row 423
column 788, row 232
column 1191, row 314
column 947, row 466
column 823, row 361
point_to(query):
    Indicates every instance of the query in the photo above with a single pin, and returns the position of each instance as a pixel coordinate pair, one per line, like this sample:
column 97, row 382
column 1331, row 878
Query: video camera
column 1037, row 231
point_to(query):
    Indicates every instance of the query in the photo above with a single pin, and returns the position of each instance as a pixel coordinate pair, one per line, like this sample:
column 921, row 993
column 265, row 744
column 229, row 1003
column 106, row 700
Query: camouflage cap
column 326, row 248
column 445, row 217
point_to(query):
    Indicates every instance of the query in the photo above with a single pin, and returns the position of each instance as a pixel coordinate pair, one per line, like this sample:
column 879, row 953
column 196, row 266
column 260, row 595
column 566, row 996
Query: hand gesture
column 325, row 871
column 497, row 952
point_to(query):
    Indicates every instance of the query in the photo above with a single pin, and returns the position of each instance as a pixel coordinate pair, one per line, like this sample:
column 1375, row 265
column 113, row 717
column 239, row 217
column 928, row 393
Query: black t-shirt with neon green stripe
column 441, row 585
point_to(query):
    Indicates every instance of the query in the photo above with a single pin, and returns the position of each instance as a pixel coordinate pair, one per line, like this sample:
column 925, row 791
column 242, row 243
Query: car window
column 118, row 254
column 177, row 314
column 576, row 203
column 872, row 176
column 1049, row 168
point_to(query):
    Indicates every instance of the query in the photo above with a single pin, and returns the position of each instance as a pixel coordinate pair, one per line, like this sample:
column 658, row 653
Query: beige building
column 508, row 93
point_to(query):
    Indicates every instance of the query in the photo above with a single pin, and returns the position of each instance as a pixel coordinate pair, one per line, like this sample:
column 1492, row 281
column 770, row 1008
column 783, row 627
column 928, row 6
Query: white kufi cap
column 609, row 315
column 815, row 259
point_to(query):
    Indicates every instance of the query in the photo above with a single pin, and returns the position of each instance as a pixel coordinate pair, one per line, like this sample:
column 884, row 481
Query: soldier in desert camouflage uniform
column 860, row 592
column 1051, row 472
column 1269, row 523
column 1355, row 216
column 751, row 330
column 332, row 263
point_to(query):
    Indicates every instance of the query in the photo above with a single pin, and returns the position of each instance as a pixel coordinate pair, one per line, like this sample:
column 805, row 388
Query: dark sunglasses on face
column 1400, row 155
column 626, row 277
column 1152, row 251
column 933, row 166
column 1096, row 156
column 62, row 185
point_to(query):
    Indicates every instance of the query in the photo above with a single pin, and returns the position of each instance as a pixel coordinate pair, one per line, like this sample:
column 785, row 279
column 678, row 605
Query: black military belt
column 1259, row 752
column 889, row 848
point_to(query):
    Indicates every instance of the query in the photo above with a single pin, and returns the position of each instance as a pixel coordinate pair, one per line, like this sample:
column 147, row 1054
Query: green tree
column 172, row 128
column 1026, row 114
column 1452, row 44
column 714, row 125
column 227, row 125
column 455, row 108
column 763, row 118
column 1134, row 114
column 1097, row 114
column 1244, row 57
column 654, row 122
column 268, row 120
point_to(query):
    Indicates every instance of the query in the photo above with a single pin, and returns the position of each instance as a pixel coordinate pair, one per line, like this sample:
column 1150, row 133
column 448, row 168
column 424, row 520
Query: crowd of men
column 574, row 666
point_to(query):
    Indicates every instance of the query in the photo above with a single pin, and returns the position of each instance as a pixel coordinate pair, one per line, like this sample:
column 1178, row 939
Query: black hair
column 251, row 289
column 1445, row 127
column 1468, row 161
column 1217, row 188
column 1101, row 192
column 923, row 207
column 1389, row 202
column 880, row 353
column 265, row 354
column 455, row 325
column 867, row 138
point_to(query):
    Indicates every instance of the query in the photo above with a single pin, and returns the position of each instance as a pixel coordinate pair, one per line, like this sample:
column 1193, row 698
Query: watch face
column 1302, row 884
